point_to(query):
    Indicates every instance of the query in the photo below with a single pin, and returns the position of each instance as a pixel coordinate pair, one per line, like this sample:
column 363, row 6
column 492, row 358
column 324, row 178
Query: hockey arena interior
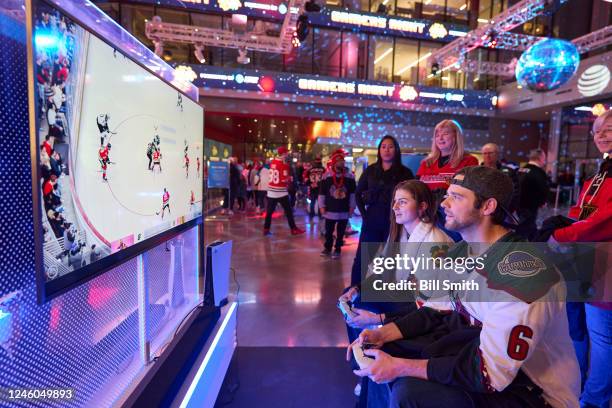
column 306, row 203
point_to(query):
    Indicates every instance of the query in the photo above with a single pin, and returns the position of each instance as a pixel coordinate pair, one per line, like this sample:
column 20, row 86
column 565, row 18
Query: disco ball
column 547, row 65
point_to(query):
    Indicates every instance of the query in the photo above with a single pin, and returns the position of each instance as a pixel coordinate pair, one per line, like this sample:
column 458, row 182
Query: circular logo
column 408, row 93
column 594, row 80
column 437, row 31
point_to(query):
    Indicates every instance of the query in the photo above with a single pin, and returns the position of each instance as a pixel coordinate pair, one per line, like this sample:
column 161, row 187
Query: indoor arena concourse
column 306, row 203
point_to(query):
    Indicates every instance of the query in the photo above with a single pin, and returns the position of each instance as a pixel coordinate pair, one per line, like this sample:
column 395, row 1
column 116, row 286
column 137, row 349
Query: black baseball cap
column 487, row 182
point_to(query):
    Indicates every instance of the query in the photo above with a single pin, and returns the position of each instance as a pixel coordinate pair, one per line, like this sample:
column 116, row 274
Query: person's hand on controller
column 383, row 369
column 364, row 319
column 349, row 295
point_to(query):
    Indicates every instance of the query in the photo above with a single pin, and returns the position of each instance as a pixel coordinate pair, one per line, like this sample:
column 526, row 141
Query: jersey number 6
column 517, row 345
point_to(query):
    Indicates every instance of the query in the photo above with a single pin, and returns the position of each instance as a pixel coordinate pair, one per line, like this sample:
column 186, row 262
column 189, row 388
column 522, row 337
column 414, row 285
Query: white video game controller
column 363, row 360
column 346, row 310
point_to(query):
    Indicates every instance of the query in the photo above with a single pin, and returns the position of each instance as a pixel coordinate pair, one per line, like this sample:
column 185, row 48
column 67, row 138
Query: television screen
column 119, row 150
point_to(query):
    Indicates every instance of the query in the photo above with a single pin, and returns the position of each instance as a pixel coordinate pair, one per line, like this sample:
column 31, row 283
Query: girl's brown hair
column 421, row 194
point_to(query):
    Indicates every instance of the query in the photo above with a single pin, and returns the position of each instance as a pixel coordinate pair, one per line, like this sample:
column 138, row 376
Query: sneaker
column 297, row 231
column 357, row 390
column 326, row 252
column 267, row 232
column 336, row 254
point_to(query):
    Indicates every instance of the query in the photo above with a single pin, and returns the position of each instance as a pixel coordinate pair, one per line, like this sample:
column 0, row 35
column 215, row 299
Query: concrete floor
column 288, row 292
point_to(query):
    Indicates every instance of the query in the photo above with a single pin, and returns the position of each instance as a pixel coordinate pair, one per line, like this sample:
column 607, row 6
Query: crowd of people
column 52, row 74
column 522, row 352
column 534, row 350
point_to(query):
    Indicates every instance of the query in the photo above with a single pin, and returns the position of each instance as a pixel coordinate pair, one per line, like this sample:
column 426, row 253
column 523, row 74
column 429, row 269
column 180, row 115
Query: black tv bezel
column 48, row 290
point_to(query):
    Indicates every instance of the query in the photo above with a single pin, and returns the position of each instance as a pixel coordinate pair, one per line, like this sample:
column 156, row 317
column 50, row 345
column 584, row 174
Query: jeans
column 598, row 386
column 410, row 392
column 314, row 195
column 340, row 226
column 375, row 228
column 578, row 332
column 284, row 202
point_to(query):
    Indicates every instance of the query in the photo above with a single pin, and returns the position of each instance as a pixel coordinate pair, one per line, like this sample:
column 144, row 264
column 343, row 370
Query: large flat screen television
column 118, row 153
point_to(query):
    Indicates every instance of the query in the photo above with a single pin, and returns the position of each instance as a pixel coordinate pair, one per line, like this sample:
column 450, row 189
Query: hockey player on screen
column 198, row 167
column 165, row 203
column 102, row 122
column 192, row 199
column 157, row 160
column 186, row 165
column 104, row 159
column 150, row 149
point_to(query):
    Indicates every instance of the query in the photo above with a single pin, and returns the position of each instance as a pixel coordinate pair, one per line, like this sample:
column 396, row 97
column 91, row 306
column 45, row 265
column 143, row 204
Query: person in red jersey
column 593, row 215
column 165, row 203
column 186, row 165
column 156, row 159
column 104, row 159
column 280, row 176
column 447, row 156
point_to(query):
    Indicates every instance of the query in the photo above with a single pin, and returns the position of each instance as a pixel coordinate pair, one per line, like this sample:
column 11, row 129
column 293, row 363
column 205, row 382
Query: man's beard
column 457, row 225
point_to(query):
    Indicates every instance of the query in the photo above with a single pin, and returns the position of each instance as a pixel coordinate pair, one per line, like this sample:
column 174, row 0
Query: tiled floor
column 288, row 292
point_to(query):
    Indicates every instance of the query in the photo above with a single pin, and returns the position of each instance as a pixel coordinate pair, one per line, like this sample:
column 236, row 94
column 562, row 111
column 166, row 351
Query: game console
column 346, row 310
column 362, row 360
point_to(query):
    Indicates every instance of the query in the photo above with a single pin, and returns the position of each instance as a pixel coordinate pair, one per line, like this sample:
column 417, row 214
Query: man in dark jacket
column 336, row 202
column 533, row 190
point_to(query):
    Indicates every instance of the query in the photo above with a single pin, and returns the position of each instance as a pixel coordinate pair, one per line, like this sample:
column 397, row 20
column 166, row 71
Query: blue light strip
column 208, row 356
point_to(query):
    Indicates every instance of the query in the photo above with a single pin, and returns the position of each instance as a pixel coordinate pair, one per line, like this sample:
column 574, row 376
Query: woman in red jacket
column 447, row 156
column 594, row 224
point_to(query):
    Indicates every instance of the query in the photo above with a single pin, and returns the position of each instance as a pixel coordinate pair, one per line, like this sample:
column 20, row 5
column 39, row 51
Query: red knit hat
column 282, row 150
column 337, row 156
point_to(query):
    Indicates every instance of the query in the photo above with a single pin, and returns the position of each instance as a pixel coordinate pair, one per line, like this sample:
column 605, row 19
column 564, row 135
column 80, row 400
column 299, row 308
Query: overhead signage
column 387, row 25
column 209, row 77
column 328, row 17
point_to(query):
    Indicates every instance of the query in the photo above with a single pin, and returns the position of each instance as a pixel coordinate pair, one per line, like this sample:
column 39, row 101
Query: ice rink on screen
column 140, row 106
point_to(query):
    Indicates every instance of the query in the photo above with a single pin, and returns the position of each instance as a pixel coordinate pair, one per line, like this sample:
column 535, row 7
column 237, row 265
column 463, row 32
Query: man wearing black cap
column 504, row 344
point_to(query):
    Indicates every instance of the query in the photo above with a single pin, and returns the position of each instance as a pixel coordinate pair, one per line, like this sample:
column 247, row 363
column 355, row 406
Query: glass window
column 328, row 52
column 406, row 61
column 134, row 18
column 266, row 61
column 484, row 11
column 453, row 79
column 171, row 16
column 357, row 5
column 299, row 60
column 380, row 58
column 214, row 55
column 434, row 9
column 111, row 9
column 354, row 55
column 206, row 20
column 457, row 11
column 407, row 8
column 382, row 6
column 425, row 76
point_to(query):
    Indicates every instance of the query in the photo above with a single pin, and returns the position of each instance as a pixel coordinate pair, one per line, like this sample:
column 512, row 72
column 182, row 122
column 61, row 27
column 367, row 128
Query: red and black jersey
column 103, row 154
column 437, row 176
column 314, row 176
column 280, row 176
